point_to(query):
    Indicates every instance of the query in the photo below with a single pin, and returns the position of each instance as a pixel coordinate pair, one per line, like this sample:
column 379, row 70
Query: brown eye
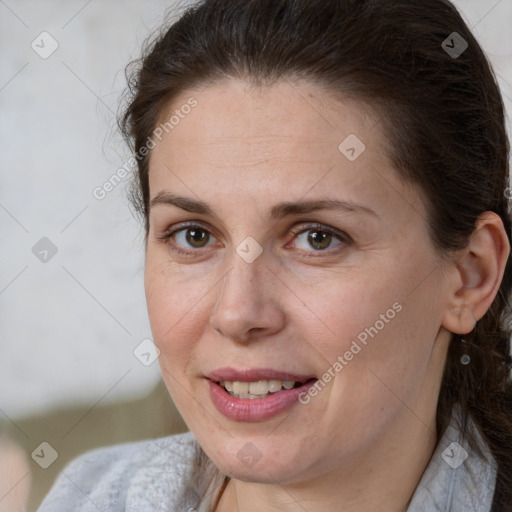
column 195, row 236
column 318, row 238
column 187, row 240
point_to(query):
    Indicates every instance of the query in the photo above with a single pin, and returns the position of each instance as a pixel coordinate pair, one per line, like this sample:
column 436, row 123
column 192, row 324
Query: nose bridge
column 242, row 285
column 244, row 298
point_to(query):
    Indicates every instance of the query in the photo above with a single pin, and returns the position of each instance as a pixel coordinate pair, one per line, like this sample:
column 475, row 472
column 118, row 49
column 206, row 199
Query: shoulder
column 461, row 474
column 147, row 476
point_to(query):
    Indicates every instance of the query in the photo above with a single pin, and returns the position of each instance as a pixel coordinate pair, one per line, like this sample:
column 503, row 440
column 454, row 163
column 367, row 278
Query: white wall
column 68, row 326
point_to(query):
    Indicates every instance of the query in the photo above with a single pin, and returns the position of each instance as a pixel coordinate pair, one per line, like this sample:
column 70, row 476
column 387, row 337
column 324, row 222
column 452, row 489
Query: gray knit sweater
column 156, row 476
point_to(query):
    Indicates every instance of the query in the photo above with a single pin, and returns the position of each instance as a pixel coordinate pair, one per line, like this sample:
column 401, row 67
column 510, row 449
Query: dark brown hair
column 442, row 113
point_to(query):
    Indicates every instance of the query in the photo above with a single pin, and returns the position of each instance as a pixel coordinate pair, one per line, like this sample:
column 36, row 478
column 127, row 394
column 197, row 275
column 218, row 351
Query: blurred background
column 77, row 365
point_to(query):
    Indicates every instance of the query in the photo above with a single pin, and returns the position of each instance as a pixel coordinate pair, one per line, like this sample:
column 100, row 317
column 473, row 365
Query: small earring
column 465, row 359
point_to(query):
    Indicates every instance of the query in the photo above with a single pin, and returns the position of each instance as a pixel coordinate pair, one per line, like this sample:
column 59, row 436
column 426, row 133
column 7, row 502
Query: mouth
column 260, row 388
column 256, row 395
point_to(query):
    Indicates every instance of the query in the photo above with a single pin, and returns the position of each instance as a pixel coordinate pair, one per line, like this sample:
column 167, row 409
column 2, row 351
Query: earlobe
column 478, row 274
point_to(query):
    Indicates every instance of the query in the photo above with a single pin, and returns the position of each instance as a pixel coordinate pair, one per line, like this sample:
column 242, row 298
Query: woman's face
column 305, row 259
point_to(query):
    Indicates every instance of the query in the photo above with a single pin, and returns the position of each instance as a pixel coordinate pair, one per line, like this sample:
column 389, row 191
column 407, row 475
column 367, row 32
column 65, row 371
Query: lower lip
column 257, row 409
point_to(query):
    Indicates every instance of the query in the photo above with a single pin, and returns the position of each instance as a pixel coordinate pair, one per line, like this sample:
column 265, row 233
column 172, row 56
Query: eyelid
column 303, row 227
column 307, row 226
column 295, row 230
column 168, row 234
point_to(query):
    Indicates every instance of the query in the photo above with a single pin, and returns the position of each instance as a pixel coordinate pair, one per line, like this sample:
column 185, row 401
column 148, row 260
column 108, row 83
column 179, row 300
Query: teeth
column 240, row 388
column 275, row 385
column 257, row 389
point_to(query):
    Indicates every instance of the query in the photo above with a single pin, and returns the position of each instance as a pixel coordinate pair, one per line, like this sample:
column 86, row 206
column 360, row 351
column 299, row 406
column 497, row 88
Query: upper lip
column 254, row 375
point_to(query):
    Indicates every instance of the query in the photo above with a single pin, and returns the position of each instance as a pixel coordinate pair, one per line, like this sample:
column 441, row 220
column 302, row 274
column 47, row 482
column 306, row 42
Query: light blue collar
column 456, row 479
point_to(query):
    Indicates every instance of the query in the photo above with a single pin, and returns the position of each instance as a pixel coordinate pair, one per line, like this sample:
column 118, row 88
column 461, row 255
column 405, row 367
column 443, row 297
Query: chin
column 243, row 460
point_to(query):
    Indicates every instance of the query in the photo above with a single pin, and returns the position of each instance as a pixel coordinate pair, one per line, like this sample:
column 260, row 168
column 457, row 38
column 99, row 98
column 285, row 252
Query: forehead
column 235, row 112
column 284, row 139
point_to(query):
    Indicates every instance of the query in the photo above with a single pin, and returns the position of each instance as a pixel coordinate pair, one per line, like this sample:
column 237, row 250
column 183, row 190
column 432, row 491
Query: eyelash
column 167, row 236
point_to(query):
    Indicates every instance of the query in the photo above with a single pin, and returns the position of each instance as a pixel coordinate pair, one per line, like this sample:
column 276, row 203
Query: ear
column 477, row 271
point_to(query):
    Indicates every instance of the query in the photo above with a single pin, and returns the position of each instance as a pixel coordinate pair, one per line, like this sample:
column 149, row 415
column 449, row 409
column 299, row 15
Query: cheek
column 174, row 304
column 374, row 334
column 348, row 310
column 383, row 364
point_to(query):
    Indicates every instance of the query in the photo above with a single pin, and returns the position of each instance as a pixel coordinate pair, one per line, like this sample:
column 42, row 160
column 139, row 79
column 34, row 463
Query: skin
column 15, row 477
column 364, row 441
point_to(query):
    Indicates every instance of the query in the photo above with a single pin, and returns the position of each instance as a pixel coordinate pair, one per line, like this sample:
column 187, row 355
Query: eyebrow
column 278, row 211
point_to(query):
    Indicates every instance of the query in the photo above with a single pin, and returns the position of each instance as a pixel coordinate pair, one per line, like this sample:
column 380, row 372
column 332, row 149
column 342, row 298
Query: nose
column 248, row 303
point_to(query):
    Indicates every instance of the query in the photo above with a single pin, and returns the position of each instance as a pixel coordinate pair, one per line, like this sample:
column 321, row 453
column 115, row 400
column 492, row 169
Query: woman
column 323, row 189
